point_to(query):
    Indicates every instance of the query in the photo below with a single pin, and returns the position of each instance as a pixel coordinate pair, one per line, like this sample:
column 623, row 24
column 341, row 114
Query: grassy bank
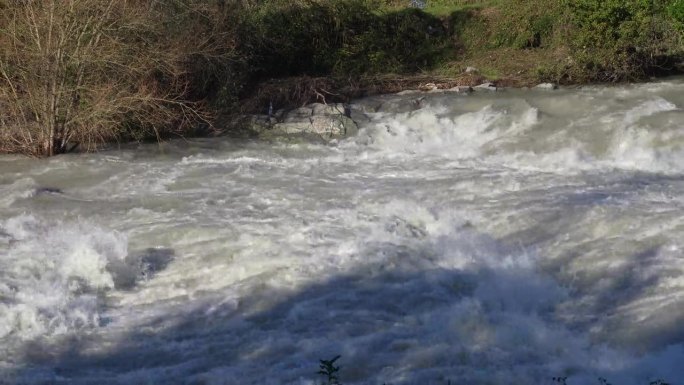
column 75, row 74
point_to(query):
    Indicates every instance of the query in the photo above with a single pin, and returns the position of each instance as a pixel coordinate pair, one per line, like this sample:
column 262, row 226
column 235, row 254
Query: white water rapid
column 490, row 238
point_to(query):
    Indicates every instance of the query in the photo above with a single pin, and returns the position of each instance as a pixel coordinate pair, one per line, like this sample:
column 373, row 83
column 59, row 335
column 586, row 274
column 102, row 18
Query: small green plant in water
column 328, row 369
column 659, row 382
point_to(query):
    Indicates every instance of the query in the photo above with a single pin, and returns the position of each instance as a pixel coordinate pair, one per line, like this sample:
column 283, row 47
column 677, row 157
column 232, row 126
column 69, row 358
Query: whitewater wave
column 52, row 275
column 527, row 133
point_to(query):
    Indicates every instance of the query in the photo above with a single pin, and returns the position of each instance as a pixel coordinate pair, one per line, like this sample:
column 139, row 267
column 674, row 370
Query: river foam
column 51, row 275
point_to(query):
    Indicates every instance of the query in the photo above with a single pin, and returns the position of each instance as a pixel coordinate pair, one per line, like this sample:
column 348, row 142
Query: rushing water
column 491, row 238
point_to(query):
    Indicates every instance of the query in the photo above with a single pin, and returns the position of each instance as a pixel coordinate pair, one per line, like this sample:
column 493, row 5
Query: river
column 488, row 238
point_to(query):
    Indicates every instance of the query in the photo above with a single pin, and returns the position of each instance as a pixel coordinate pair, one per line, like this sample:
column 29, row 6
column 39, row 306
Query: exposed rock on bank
column 546, row 86
column 325, row 122
column 315, row 121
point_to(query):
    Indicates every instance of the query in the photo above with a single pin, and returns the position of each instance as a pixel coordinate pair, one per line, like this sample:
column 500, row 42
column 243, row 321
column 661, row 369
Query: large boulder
column 546, row 86
column 315, row 121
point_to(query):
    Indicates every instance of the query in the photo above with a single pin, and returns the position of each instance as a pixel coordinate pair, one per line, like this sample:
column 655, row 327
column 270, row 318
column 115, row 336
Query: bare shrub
column 78, row 73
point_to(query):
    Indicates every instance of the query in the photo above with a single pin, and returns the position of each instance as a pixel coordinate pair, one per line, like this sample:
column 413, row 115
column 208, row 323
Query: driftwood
column 296, row 92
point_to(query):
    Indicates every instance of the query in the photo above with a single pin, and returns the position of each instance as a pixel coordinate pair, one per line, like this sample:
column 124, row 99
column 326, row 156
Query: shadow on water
column 611, row 287
column 408, row 316
column 258, row 339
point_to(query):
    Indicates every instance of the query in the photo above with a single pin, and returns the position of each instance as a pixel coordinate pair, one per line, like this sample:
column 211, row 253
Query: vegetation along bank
column 78, row 74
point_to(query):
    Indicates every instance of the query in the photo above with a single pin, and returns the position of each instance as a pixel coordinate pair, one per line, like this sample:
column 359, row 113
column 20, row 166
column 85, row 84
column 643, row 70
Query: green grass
column 447, row 7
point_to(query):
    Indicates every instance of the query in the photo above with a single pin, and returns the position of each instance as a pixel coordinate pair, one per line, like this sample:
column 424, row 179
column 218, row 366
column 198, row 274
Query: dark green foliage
column 614, row 23
column 338, row 37
column 399, row 42
column 285, row 38
column 603, row 40
column 621, row 39
column 676, row 11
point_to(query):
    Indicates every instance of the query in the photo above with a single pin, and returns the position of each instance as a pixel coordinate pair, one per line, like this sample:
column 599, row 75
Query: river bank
column 510, row 43
column 158, row 71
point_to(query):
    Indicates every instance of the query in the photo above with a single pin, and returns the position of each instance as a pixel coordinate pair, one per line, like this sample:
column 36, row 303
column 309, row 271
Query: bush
column 529, row 24
column 676, row 11
column 288, row 38
column 604, row 40
column 621, row 39
column 402, row 41
column 83, row 72
column 318, row 37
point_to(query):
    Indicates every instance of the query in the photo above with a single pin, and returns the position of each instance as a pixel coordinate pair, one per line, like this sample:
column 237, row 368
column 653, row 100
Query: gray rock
column 315, row 121
column 428, row 87
column 258, row 123
column 368, row 105
column 359, row 117
column 486, row 86
column 408, row 92
column 546, row 86
column 392, row 104
column 461, row 89
column 47, row 191
column 471, row 70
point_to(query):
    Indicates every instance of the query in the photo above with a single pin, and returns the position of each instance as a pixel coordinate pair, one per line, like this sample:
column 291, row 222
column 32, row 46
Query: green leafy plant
column 676, row 11
column 620, row 39
column 329, row 370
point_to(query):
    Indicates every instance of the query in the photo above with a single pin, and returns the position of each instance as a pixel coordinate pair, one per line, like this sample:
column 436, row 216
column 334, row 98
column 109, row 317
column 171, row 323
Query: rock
column 408, row 92
column 297, row 115
column 278, row 114
column 315, row 121
column 546, row 86
column 257, row 123
column 486, row 86
column 428, row 87
column 47, row 191
column 369, row 105
column 461, row 89
column 471, row 70
column 359, row 117
column 391, row 104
